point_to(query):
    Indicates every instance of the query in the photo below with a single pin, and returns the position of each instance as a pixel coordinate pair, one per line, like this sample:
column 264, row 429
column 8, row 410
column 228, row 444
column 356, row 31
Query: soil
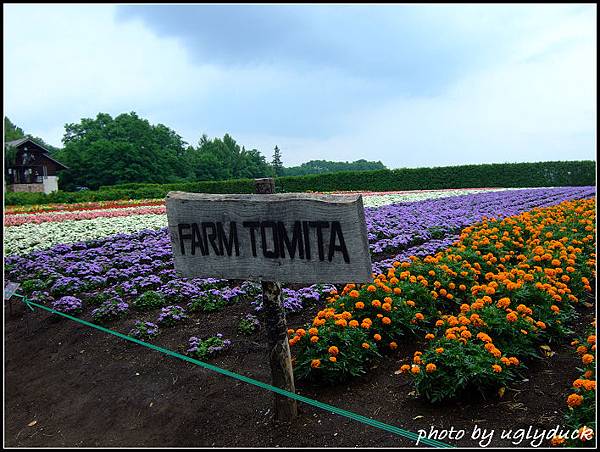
column 86, row 388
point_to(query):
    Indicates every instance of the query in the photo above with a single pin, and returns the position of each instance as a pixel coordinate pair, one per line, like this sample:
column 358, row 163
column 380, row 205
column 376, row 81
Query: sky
column 407, row 85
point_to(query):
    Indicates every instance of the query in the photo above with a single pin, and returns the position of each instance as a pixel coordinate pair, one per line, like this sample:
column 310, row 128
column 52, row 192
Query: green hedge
column 541, row 174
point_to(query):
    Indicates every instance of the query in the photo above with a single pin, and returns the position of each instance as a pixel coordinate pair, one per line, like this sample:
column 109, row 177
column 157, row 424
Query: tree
column 13, row 132
column 325, row 166
column 127, row 148
column 276, row 163
column 220, row 159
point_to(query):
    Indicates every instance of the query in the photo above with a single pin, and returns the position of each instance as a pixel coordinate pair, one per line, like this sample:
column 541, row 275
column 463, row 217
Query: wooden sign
column 292, row 238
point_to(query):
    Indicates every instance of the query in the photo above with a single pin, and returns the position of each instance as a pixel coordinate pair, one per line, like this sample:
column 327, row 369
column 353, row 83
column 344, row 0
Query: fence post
column 282, row 374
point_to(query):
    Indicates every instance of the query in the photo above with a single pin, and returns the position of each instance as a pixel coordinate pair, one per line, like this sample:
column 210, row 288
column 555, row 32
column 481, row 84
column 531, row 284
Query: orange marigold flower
column 333, row 350
column 511, row 317
column 313, row 331
column 377, row 337
column 386, row 320
column 354, row 293
column 419, row 316
column 429, row 336
column 557, row 440
column 359, row 305
column 439, row 350
column 429, row 368
column 496, row 368
column 314, row 339
column 415, row 369
column 484, row 337
column 503, row 302
column 589, row 385
column 574, row 400
column 404, row 368
column 514, row 361
column 371, row 288
column 587, row 358
column 353, row 323
column 333, row 359
column 393, row 345
column 591, row 339
column 315, row 363
column 376, row 303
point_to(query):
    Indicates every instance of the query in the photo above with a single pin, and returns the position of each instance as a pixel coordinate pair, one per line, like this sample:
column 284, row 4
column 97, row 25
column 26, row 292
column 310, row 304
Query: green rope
column 260, row 384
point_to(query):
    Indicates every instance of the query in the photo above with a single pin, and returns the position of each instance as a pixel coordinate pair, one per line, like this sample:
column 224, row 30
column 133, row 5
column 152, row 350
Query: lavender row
column 399, row 226
column 126, row 267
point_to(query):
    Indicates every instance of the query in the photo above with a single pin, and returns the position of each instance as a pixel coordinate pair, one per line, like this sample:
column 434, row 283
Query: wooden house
column 32, row 170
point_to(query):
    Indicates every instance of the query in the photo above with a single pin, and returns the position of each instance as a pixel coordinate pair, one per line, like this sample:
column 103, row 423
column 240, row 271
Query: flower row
column 483, row 305
column 59, row 216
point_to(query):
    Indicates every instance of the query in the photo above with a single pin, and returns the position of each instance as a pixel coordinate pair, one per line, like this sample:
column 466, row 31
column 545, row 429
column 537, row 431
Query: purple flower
column 68, row 305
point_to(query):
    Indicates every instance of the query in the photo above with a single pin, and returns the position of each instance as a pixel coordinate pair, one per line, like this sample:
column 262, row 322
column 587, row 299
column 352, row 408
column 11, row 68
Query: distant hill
column 326, row 166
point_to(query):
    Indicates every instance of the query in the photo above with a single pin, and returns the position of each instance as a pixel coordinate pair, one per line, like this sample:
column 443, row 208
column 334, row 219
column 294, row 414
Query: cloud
column 408, row 85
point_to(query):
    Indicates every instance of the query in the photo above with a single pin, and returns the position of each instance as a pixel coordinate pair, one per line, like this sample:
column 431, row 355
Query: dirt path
column 87, row 388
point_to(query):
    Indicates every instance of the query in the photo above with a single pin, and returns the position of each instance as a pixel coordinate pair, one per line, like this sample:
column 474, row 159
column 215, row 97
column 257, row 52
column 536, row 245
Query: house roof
column 21, row 141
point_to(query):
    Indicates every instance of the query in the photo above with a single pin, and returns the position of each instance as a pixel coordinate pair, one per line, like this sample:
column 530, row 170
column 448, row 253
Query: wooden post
column 282, row 374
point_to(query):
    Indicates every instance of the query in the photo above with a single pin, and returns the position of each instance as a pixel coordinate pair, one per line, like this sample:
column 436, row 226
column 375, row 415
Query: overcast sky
column 409, row 85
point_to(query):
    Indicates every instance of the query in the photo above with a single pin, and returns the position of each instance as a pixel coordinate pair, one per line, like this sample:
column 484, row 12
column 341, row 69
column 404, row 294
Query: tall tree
column 220, row 159
column 127, row 148
column 276, row 163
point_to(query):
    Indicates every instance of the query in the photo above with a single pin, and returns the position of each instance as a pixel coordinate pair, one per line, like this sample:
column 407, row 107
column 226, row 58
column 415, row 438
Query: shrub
column 144, row 330
column 112, row 309
column 581, row 401
column 68, row 305
column 205, row 348
column 538, row 174
column 171, row 315
column 31, row 285
column 450, row 368
column 332, row 353
column 248, row 325
column 149, row 300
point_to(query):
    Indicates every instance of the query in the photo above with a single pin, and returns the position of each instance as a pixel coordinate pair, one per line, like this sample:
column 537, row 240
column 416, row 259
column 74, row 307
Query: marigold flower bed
column 483, row 304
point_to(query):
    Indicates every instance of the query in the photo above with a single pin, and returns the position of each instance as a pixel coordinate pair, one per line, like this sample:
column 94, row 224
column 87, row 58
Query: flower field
column 478, row 279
